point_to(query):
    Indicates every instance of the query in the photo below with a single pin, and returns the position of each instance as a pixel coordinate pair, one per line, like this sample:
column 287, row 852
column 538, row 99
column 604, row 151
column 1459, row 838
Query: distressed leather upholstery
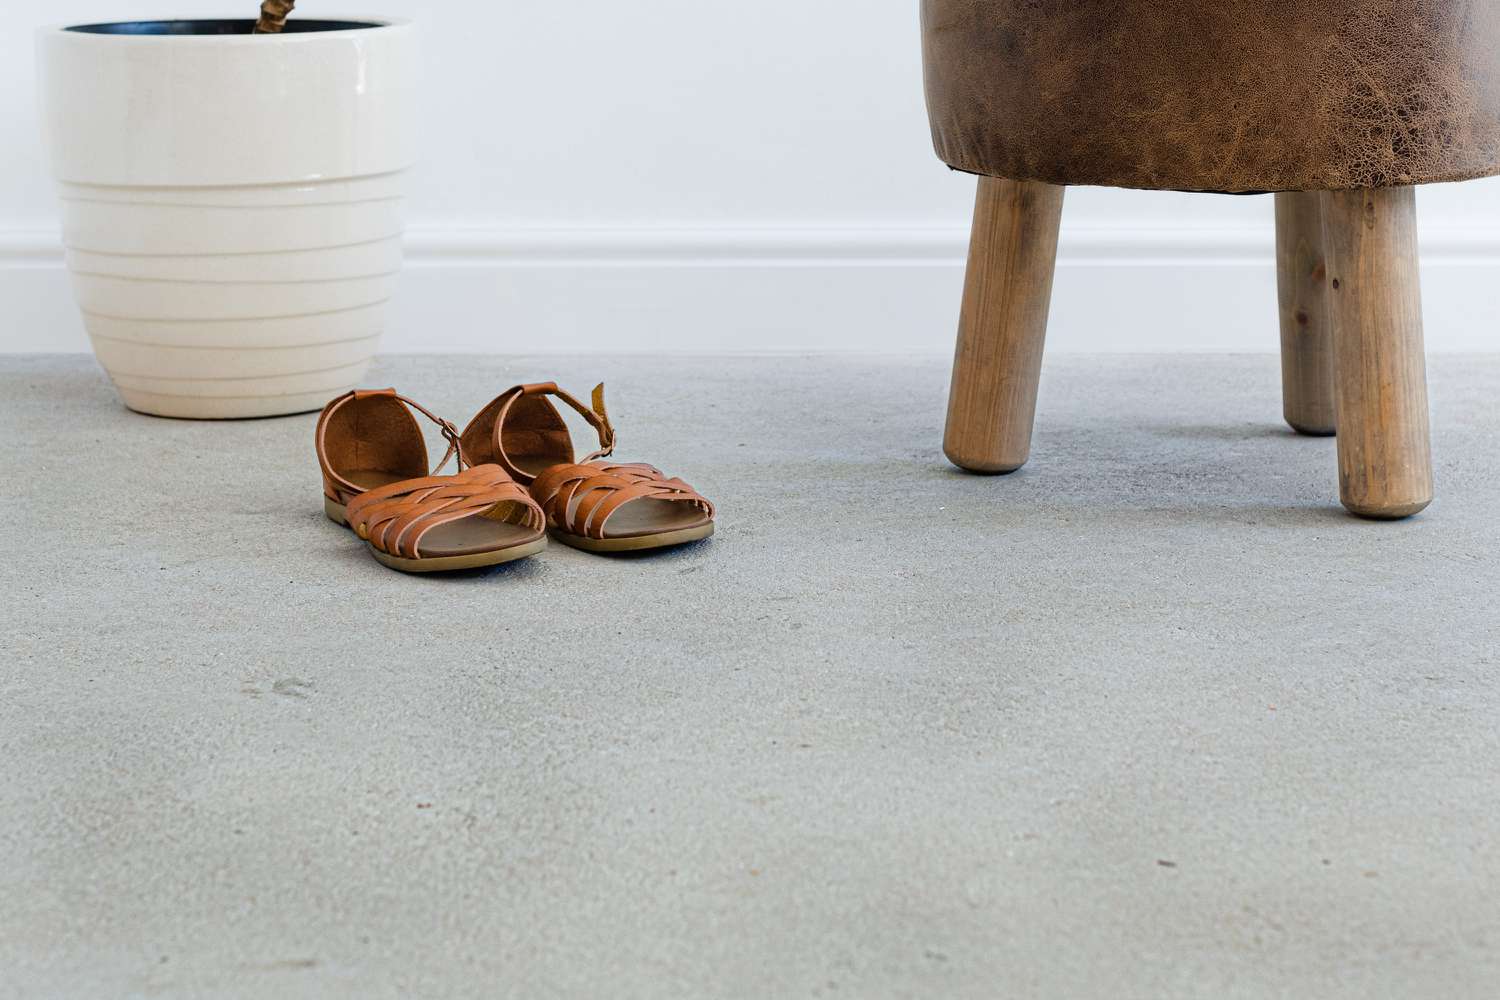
column 1216, row 95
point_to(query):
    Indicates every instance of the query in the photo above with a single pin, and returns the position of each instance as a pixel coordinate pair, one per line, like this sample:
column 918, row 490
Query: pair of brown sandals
column 517, row 480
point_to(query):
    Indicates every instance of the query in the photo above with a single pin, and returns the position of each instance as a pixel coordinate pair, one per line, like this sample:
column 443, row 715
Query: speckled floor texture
column 1150, row 719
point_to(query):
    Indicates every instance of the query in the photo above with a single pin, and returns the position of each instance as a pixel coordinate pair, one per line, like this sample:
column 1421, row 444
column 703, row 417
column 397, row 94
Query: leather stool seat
column 1216, row 95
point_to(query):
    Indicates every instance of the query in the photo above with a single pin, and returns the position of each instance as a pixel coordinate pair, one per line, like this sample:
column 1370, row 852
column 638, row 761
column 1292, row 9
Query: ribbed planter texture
column 232, row 203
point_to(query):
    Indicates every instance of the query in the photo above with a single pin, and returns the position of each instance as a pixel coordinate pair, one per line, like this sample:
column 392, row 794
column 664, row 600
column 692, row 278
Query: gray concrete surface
column 1150, row 719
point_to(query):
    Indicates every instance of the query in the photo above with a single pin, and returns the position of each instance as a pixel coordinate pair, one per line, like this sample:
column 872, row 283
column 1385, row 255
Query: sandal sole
column 335, row 512
column 636, row 543
column 443, row 564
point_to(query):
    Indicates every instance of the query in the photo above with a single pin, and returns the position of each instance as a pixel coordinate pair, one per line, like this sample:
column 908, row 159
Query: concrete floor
column 1150, row 719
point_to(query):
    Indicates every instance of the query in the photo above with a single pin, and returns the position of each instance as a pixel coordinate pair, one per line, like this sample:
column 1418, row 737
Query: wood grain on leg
column 1306, row 340
column 1003, row 325
column 1385, row 455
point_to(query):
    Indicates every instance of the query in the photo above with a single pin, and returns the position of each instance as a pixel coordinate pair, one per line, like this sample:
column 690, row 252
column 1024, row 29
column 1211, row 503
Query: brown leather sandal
column 375, row 481
column 593, row 505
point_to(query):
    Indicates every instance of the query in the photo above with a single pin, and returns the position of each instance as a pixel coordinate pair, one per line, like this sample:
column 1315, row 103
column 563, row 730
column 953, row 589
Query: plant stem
column 273, row 14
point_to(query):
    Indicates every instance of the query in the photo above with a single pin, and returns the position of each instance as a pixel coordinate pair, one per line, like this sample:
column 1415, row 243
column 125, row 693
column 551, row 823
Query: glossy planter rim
column 357, row 24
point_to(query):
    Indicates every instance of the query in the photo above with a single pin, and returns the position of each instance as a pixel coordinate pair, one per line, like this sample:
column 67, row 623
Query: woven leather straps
column 600, row 489
column 394, row 518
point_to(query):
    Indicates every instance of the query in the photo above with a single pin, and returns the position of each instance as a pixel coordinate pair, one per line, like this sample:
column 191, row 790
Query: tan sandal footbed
column 637, row 543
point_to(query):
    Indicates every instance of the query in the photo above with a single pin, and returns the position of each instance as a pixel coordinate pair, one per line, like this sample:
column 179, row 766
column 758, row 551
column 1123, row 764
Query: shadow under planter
column 231, row 203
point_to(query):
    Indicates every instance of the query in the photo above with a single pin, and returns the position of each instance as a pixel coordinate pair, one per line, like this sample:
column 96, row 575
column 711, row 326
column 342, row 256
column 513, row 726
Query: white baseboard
column 886, row 289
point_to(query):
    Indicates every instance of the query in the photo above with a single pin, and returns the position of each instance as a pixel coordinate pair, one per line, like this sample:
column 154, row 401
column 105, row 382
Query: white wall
column 690, row 176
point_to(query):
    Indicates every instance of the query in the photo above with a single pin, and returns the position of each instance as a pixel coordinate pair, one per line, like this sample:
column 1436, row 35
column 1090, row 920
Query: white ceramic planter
column 231, row 204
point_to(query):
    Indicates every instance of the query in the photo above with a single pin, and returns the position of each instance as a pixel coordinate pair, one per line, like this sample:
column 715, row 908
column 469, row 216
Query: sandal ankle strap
column 447, row 428
column 491, row 438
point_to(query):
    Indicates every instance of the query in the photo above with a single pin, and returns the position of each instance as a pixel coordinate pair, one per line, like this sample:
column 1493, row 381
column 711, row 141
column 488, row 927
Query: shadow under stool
column 1341, row 108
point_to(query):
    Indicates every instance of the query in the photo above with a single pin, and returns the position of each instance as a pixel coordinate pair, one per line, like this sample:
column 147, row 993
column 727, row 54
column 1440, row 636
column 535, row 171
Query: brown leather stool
column 1340, row 107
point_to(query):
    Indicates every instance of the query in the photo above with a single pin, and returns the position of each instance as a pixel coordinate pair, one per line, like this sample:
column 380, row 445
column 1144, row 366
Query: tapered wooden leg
column 1003, row 325
column 1306, row 340
column 1385, row 456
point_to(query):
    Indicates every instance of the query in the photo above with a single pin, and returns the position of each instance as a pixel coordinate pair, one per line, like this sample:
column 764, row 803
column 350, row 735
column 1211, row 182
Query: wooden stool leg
column 1003, row 325
column 1306, row 340
column 1385, row 456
